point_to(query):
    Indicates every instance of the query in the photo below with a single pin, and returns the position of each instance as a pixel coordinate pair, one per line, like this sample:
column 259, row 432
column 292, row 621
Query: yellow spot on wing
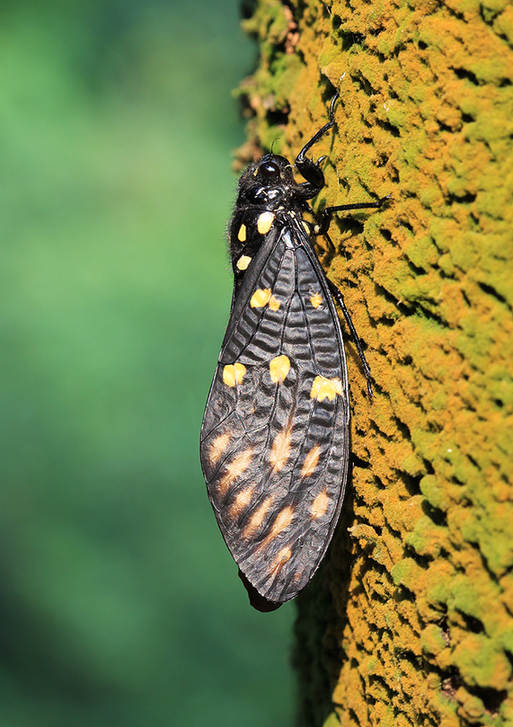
column 323, row 388
column 242, row 233
column 263, row 296
column 233, row 374
column 260, row 298
column 243, row 262
column 218, row 446
column 320, row 505
column 316, row 300
column 306, row 227
column 241, row 501
column 257, row 518
column 274, row 303
column 311, row 461
column 280, row 450
column 279, row 367
column 235, row 469
column 264, row 222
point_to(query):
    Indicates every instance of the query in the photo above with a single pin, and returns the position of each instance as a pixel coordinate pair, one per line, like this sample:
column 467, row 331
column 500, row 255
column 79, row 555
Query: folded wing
column 275, row 435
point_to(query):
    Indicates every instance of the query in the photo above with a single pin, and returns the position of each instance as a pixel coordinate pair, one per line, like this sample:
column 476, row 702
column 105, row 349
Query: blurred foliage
column 119, row 603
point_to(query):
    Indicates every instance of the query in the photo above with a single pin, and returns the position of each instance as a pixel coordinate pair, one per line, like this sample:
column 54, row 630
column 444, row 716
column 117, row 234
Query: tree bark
column 410, row 621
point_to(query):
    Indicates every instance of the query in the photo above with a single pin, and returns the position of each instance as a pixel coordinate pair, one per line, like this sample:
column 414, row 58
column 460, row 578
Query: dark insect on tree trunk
column 275, row 435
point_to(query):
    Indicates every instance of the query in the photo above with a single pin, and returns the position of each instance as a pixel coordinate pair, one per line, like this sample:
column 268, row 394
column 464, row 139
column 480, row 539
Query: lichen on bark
column 410, row 621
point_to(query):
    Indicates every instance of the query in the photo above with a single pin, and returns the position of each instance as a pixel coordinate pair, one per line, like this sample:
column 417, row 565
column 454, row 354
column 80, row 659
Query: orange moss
column 411, row 620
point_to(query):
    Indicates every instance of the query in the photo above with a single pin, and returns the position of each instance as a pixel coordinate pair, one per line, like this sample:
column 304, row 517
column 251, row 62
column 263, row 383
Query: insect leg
column 366, row 369
column 311, row 170
column 315, row 229
column 327, row 213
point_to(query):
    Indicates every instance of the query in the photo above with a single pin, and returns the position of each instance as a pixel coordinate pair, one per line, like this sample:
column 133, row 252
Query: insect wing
column 275, row 434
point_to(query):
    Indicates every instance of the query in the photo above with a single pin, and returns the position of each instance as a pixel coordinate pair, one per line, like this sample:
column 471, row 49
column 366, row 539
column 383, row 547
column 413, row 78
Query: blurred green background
column 119, row 604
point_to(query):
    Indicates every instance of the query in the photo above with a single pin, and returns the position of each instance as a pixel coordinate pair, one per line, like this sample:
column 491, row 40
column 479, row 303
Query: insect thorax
column 269, row 198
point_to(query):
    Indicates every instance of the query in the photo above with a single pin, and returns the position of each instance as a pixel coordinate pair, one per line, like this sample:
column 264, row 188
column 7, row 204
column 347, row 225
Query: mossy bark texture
column 410, row 621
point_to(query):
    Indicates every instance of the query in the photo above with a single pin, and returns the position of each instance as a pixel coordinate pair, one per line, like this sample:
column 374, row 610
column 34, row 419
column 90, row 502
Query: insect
column 275, row 435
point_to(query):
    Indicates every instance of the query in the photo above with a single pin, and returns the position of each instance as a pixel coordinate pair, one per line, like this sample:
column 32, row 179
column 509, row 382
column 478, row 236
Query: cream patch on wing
column 280, row 450
column 241, row 502
column 257, row 518
column 218, row 446
column 319, row 505
column 281, row 523
column 284, row 555
column 311, row 461
column 235, row 469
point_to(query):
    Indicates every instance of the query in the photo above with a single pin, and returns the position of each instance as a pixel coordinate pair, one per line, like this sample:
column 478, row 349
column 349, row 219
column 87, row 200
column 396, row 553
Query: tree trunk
column 410, row 621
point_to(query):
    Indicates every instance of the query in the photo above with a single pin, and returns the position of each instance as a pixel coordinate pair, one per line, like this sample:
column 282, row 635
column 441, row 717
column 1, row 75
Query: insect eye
column 269, row 170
